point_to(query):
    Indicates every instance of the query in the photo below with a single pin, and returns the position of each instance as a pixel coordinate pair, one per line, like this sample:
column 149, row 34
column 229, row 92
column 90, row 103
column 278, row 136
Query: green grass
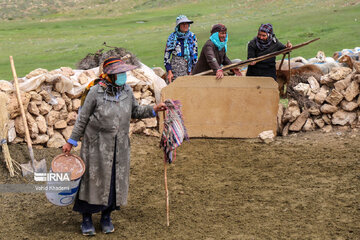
column 63, row 36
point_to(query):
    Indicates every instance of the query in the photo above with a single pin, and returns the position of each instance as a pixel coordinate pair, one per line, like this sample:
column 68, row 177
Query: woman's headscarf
column 264, row 44
column 215, row 36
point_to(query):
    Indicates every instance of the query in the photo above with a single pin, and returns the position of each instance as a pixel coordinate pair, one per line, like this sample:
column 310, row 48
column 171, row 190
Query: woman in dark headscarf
column 181, row 50
column 264, row 43
column 103, row 124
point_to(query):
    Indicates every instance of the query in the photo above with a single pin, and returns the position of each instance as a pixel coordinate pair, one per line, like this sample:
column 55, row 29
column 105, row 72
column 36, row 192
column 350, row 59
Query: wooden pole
column 259, row 59
column 23, row 116
column 166, row 187
column 166, row 194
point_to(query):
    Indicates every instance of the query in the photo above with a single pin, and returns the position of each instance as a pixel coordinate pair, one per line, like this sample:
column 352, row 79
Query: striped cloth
column 174, row 130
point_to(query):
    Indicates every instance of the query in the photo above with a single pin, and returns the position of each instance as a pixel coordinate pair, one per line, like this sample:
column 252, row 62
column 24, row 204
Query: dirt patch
column 298, row 187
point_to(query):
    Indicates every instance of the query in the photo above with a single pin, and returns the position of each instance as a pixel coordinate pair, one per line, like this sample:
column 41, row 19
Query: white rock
column 60, row 124
column 292, row 112
column 319, row 122
column 349, row 106
column 327, row 128
column 33, row 109
column 342, row 117
column 36, row 72
column 44, row 108
column 71, row 118
column 150, row 122
column 52, row 117
column 299, row 122
column 6, row 86
column 309, row 125
column 302, row 88
column 267, row 136
column 352, row 91
column 60, row 104
column 327, row 108
column 76, row 104
column 41, row 139
column 322, row 94
column 334, row 97
column 42, row 125
column 67, row 132
column 56, row 141
column 11, row 131
column 314, row 84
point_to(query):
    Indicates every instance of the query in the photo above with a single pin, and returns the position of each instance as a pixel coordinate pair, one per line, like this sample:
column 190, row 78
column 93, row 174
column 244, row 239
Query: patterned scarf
column 268, row 29
column 111, row 90
column 174, row 130
column 188, row 43
column 216, row 40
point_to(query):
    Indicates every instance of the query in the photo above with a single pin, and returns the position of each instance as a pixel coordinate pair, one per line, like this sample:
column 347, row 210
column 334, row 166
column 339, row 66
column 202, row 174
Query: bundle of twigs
column 4, row 121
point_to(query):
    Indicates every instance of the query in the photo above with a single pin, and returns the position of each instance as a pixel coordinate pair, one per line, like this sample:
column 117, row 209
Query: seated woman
column 181, row 50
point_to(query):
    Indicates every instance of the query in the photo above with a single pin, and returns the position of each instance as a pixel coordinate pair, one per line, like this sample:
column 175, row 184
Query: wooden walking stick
column 166, row 188
column 167, row 196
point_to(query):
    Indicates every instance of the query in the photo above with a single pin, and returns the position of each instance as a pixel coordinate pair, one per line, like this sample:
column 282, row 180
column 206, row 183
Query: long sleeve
column 195, row 53
column 141, row 111
column 226, row 61
column 167, row 56
column 251, row 51
column 85, row 113
column 211, row 58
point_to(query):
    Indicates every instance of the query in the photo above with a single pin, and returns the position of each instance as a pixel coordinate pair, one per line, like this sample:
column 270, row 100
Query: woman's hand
column 67, row 148
column 288, row 44
column 160, row 107
column 236, row 71
column 170, row 76
column 219, row 74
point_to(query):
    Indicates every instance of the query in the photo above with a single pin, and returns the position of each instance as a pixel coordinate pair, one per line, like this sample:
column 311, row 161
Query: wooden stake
column 166, row 187
column 166, row 194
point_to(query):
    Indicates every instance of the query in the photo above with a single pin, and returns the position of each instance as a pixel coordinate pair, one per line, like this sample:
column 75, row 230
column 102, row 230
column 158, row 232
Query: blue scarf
column 220, row 45
column 171, row 44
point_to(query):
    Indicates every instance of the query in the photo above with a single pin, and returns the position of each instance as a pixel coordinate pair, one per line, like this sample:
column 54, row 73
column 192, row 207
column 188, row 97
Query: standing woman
column 264, row 43
column 103, row 124
column 181, row 50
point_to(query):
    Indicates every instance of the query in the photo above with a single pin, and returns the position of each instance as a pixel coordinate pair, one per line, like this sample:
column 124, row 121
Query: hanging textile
column 174, row 130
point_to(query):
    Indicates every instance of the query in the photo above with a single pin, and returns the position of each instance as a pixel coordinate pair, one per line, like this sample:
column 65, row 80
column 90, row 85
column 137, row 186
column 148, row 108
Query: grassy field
column 60, row 33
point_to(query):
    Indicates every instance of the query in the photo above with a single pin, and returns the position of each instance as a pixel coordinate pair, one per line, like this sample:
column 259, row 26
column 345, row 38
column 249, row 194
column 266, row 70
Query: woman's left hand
column 160, row 107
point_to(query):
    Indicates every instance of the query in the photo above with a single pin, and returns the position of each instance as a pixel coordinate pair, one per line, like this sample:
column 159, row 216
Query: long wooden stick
column 23, row 116
column 259, row 59
column 166, row 195
column 166, row 187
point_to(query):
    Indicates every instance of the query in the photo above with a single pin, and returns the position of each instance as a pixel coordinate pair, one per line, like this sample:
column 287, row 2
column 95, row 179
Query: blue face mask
column 120, row 79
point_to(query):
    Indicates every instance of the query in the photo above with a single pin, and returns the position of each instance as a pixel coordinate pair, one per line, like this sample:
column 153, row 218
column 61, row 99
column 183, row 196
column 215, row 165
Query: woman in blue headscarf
column 264, row 43
column 213, row 54
column 181, row 50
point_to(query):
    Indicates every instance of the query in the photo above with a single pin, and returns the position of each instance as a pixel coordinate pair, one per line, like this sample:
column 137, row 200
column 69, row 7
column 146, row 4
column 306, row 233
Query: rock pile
column 51, row 100
column 335, row 101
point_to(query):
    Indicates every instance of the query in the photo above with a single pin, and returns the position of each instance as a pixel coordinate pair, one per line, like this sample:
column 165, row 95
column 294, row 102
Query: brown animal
column 347, row 60
column 300, row 74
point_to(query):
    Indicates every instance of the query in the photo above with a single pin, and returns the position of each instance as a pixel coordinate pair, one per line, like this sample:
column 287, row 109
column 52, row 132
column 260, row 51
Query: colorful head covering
column 216, row 40
column 114, row 65
column 268, row 28
column 264, row 44
column 218, row 28
column 182, row 19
